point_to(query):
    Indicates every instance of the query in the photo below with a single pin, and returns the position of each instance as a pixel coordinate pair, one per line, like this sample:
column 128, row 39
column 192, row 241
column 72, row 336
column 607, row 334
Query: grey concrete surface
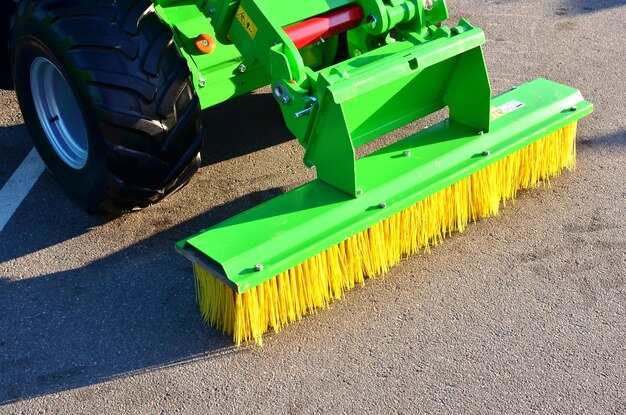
column 523, row 312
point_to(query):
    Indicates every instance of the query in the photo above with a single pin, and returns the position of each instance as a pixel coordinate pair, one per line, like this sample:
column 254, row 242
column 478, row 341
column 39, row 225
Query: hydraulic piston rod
column 325, row 26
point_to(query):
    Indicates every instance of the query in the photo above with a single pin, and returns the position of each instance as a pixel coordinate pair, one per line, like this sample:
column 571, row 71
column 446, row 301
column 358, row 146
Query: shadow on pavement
column 242, row 126
column 53, row 213
column 110, row 318
column 590, row 6
column 613, row 140
column 115, row 316
column 235, row 128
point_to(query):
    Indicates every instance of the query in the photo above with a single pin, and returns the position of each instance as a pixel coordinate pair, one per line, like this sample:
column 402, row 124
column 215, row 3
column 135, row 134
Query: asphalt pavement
column 523, row 312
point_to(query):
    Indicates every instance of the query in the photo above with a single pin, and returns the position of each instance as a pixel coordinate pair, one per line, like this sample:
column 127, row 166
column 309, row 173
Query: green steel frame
column 218, row 76
column 389, row 80
column 401, row 65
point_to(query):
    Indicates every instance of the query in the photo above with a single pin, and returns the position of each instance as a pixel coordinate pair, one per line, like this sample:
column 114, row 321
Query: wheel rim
column 59, row 113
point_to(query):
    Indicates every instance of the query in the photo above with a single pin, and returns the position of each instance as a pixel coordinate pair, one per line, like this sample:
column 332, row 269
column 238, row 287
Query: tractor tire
column 107, row 99
column 7, row 9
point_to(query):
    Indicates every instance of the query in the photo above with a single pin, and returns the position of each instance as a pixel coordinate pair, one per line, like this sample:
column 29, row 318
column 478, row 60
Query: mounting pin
column 372, row 21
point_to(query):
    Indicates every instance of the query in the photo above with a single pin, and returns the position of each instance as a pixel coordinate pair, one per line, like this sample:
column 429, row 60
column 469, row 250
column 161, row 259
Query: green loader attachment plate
column 257, row 245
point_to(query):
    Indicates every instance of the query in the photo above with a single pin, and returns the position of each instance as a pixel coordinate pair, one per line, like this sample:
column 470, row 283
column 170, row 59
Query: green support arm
column 397, row 66
column 388, row 81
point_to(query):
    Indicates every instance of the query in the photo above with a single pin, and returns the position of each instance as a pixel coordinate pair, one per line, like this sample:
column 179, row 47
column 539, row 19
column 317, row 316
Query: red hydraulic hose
column 325, row 25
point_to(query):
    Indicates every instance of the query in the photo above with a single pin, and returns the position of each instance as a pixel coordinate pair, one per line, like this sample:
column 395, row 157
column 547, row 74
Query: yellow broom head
column 325, row 277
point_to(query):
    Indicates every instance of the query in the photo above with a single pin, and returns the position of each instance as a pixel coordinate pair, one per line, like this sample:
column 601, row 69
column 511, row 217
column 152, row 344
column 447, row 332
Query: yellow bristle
column 325, row 277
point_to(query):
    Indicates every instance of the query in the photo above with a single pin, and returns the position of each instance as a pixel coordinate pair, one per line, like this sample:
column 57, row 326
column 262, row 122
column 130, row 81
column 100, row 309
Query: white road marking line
column 19, row 185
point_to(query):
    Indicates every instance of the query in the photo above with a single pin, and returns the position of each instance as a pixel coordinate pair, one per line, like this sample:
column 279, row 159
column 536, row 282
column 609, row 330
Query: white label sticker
column 511, row 106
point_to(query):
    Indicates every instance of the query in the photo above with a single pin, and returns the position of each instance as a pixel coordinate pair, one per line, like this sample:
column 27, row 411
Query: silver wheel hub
column 59, row 113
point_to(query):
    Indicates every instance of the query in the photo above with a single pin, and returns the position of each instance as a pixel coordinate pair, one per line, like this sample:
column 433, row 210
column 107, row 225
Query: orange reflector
column 205, row 43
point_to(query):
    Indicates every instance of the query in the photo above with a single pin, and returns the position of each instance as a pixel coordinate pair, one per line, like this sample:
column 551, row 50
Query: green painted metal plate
column 216, row 76
column 293, row 227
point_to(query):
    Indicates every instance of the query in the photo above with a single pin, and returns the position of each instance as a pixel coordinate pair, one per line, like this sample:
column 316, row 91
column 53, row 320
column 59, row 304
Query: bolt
column 302, row 113
column 382, row 205
column 407, row 153
column 242, row 68
column 514, row 87
column 481, row 132
column 258, row 267
column 359, row 191
column 574, row 108
column 201, row 82
column 357, row 52
column 205, row 42
column 486, row 152
column 211, row 11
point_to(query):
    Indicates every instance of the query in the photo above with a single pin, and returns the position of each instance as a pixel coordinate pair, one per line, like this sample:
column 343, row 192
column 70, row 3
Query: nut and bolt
column 382, row 205
column 242, row 68
column 481, row 132
column 201, row 82
column 407, row 153
column 211, row 11
column 258, row 267
column 359, row 191
column 486, row 152
column 573, row 108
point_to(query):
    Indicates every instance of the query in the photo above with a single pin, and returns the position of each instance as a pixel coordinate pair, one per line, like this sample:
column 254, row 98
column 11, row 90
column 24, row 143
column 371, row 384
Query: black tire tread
column 139, row 86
